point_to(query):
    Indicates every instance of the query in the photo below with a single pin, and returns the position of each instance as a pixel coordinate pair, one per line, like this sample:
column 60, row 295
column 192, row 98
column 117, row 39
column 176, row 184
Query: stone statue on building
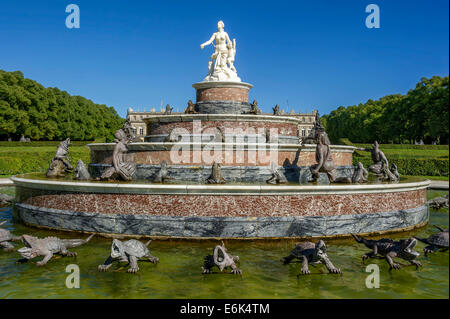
column 221, row 66
column 190, row 108
column 168, row 110
column 254, row 108
column 276, row 110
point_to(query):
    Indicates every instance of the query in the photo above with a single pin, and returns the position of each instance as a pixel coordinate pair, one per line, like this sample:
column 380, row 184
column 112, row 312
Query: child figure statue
column 231, row 54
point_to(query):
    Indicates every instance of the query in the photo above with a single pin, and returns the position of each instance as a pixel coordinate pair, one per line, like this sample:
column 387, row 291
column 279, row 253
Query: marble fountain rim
column 62, row 220
column 215, row 190
column 167, row 146
column 221, row 117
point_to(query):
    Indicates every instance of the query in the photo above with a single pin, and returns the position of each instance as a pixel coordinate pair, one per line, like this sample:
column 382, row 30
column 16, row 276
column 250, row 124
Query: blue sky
column 302, row 55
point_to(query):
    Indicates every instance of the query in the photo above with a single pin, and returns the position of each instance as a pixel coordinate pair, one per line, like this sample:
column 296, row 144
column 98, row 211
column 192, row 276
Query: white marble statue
column 221, row 67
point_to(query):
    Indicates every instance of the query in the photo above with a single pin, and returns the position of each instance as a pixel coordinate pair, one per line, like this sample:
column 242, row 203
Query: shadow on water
column 178, row 275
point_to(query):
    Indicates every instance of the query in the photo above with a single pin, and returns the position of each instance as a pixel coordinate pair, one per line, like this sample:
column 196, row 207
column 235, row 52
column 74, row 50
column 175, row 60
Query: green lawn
column 29, row 158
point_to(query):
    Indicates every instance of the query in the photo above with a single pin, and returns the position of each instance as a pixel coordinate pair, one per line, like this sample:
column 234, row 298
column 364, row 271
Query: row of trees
column 27, row 108
column 421, row 114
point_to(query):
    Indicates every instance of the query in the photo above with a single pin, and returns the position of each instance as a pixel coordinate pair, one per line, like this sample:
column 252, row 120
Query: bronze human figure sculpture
column 324, row 160
column 121, row 167
column 378, row 158
column 323, row 157
column 190, row 108
column 60, row 164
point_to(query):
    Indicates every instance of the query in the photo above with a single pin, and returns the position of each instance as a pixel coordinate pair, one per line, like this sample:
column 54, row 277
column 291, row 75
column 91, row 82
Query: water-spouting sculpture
column 390, row 249
column 130, row 251
column 6, row 238
column 47, row 247
column 81, row 172
column 277, row 176
column 360, row 175
column 222, row 260
column 310, row 253
column 60, row 164
column 436, row 242
column 161, row 176
column 216, row 176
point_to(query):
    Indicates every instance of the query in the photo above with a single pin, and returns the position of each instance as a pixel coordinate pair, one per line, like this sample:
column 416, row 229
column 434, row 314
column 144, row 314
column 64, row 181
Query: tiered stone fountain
column 222, row 127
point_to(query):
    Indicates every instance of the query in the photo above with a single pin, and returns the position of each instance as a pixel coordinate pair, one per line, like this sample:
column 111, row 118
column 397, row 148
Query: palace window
column 141, row 131
column 303, row 132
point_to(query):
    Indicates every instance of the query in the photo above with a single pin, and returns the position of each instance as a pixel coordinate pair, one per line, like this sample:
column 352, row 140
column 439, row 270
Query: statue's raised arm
column 208, row 42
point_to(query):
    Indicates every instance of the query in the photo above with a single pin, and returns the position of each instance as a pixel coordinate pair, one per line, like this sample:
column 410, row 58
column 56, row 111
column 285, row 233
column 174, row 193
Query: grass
column 433, row 178
column 31, row 158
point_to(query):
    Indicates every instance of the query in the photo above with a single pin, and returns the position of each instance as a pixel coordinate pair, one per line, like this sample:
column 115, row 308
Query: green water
column 178, row 275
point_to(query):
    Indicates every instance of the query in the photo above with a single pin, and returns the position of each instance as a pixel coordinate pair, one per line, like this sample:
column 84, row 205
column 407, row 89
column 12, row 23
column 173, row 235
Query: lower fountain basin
column 226, row 211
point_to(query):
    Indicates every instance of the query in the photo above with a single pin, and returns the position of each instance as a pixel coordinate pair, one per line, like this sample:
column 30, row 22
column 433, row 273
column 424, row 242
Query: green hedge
column 346, row 141
column 41, row 143
column 27, row 162
column 413, row 166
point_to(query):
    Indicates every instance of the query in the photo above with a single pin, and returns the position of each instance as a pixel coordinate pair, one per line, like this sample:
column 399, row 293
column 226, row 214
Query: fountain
column 222, row 169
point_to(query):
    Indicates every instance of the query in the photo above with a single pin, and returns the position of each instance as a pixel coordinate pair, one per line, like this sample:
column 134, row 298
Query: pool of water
column 178, row 275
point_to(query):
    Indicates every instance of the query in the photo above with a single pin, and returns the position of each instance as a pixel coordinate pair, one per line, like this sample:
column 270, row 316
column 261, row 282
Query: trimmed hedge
column 346, row 141
column 413, row 166
column 41, row 143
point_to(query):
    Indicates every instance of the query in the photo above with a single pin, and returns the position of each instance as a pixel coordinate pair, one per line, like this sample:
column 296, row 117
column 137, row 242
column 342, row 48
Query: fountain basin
column 225, row 211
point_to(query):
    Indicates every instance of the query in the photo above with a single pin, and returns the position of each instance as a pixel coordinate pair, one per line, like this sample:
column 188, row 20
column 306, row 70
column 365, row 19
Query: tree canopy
column 421, row 114
column 27, row 108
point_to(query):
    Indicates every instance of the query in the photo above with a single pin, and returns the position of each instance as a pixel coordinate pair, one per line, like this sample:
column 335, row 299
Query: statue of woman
column 220, row 55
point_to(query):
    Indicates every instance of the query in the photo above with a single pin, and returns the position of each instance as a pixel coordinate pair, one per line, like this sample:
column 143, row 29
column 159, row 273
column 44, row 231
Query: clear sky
column 302, row 55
